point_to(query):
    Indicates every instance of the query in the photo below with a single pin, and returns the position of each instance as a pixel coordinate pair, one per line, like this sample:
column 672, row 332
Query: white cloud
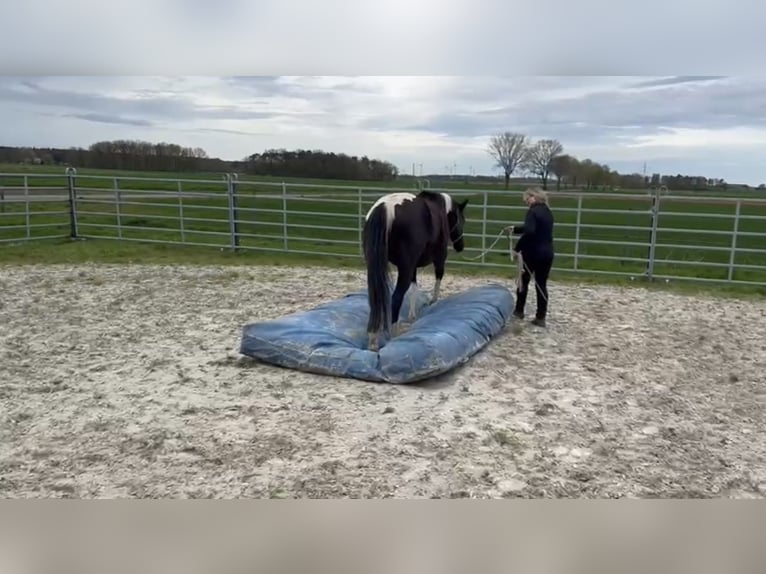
column 712, row 139
column 714, row 127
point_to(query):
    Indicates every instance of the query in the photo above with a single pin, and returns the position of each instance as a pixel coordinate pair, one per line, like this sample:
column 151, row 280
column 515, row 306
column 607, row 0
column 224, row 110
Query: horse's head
column 456, row 221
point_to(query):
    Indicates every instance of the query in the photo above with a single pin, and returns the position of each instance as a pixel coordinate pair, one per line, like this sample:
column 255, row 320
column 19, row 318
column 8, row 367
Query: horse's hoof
column 400, row 329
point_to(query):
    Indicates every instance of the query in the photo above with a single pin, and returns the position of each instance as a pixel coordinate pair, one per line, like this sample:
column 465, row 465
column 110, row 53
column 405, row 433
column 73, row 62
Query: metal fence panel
column 674, row 237
column 33, row 207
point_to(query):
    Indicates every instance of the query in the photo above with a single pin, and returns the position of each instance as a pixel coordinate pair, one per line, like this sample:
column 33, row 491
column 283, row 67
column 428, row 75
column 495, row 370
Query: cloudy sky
column 713, row 126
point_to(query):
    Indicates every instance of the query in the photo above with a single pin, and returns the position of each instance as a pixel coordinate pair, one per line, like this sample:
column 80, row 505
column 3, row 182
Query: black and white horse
column 410, row 231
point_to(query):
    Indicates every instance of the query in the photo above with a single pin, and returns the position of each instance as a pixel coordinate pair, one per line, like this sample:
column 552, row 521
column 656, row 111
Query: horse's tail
column 375, row 241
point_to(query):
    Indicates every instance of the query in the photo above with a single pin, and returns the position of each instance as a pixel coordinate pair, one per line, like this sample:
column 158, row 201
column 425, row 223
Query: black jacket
column 536, row 233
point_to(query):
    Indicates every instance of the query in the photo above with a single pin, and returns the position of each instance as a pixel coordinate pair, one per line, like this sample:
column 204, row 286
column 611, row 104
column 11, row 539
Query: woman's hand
column 508, row 230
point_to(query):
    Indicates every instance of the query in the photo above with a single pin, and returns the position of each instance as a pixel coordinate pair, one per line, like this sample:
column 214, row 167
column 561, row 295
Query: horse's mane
column 437, row 202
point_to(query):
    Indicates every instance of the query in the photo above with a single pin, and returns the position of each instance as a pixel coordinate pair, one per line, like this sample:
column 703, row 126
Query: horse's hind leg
column 402, row 283
column 372, row 342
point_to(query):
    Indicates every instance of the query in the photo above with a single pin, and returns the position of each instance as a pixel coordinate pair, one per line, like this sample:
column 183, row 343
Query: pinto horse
column 410, row 231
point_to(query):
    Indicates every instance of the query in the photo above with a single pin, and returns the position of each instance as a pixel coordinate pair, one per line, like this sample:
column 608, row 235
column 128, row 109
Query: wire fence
column 654, row 235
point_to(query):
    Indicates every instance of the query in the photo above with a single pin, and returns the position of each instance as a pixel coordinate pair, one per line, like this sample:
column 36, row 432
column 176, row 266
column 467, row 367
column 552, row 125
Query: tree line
column 137, row 155
column 545, row 159
column 514, row 153
column 315, row 163
column 129, row 155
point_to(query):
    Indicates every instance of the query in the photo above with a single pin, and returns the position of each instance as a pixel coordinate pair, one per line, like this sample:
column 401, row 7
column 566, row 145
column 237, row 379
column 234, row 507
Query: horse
column 409, row 231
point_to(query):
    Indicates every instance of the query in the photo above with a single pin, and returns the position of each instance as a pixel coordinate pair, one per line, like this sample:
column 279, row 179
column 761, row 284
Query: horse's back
column 390, row 201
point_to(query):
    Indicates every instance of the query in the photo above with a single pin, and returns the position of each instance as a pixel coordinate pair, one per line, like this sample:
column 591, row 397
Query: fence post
column 734, row 239
column 117, row 202
column 653, row 235
column 484, row 227
column 26, row 206
column 577, row 231
column 181, row 211
column 359, row 220
column 231, row 179
column 284, row 216
column 72, row 186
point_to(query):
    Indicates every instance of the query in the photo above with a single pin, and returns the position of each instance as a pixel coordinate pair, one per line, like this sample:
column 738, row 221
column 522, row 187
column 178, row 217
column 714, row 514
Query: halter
column 453, row 228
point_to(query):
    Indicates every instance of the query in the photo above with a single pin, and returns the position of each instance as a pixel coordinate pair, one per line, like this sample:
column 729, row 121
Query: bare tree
column 539, row 158
column 508, row 150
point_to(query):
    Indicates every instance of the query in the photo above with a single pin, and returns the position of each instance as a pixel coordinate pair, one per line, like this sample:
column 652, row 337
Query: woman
column 536, row 247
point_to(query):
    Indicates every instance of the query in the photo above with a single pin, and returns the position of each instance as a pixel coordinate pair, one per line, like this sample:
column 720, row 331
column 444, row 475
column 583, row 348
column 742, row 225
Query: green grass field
column 322, row 217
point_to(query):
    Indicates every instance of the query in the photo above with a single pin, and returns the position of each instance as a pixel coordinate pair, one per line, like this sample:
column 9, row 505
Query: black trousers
column 539, row 263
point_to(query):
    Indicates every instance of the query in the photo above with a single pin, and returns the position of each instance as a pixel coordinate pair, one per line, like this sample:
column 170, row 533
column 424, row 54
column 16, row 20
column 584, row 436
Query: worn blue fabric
column 332, row 339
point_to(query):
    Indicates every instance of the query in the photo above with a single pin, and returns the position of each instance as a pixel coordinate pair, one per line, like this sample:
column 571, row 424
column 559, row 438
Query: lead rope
column 483, row 253
column 520, row 265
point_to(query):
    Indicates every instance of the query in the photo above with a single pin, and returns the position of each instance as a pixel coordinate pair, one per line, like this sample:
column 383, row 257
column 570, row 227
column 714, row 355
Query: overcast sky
column 712, row 126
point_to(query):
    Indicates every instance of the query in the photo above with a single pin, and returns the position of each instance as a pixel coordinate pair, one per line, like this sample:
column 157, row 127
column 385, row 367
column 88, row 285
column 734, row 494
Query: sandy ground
column 124, row 381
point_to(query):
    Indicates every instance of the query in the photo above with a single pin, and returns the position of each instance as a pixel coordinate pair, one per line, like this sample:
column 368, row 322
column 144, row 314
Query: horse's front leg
column 439, row 263
column 413, row 296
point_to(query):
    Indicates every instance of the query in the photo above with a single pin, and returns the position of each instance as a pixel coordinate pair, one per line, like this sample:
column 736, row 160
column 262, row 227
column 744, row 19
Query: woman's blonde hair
column 537, row 194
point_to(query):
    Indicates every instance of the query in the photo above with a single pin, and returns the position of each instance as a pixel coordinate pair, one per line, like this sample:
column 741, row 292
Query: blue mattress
column 331, row 338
